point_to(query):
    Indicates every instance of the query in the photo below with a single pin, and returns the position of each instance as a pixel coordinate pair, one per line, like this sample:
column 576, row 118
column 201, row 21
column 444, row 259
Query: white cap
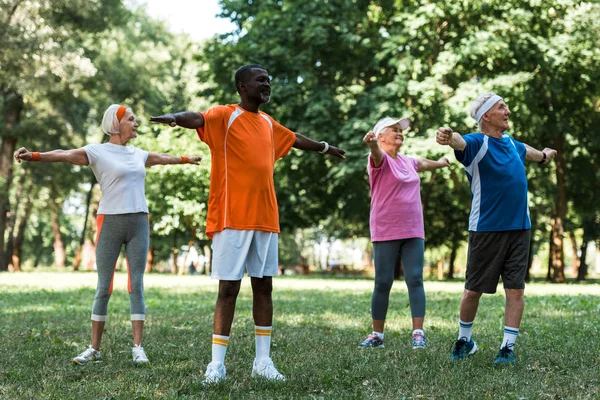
column 389, row 121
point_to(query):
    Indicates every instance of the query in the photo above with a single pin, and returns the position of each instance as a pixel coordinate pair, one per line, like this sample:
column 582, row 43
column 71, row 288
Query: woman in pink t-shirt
column 396, row 224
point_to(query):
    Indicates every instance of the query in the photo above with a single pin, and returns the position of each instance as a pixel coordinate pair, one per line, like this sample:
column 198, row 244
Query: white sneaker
column 266, row 369
column 215, row 373
column 138, row 355
column 90, row 354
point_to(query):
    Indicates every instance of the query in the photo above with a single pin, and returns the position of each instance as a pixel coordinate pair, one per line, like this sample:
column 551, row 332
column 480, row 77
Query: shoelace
column 87, row 353
column 506, row 350
column 458, row 346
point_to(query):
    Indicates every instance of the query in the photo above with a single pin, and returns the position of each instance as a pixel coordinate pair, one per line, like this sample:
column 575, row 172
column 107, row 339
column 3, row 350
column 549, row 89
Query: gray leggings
column 386, row 253
column 114, row 230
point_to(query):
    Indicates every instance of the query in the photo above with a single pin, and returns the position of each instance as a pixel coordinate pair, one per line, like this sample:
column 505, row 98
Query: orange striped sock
column 219, row 348
column 263, row 341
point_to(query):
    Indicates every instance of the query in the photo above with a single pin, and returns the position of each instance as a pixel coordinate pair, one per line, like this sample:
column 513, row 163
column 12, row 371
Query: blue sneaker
column 506, row 356
column 418, row 341
column 372, row 341
column 463, row 349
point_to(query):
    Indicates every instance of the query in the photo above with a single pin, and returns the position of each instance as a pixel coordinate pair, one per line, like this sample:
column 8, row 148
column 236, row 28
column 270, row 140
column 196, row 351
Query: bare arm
column 424, row 164
column 307, row 144
column 533, row 154
column 166, row 159
column 74, row 156
column 376, row 153
column 447, row 137
column 186, row 119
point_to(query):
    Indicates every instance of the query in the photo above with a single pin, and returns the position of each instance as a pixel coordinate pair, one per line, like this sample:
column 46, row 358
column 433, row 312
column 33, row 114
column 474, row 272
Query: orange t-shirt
column 244, row 147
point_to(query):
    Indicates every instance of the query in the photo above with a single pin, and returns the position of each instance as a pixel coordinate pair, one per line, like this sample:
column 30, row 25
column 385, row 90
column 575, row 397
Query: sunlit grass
column 318, row 325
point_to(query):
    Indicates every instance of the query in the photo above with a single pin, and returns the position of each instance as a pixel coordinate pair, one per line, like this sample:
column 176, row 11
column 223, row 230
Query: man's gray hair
column 480, row 101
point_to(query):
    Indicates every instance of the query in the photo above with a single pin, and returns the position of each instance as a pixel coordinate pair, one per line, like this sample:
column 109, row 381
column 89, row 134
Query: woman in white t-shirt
column 122, row 216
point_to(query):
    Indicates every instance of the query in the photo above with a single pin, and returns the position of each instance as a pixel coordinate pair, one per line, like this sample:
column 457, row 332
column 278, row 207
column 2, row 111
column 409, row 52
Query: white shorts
column 234, row 250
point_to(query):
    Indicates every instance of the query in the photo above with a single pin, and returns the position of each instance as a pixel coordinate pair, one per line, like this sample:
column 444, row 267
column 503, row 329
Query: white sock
column 464, row 329
column 378, row 334
column 510, row 336
column 419, row 332
column 262, row 338
column 219, row 348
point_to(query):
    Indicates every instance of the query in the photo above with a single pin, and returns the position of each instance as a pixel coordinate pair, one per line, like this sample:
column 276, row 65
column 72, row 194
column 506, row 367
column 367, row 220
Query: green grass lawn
column 45, row 321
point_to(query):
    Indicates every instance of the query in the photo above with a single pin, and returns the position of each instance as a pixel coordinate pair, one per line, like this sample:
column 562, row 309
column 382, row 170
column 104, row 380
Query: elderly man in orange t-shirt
column 242, row 208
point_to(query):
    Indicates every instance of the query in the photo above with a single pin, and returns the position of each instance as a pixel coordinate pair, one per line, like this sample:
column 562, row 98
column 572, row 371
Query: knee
column 469, row 295
column 262, row 286
column 414, row 281
column 383, row 285
column 229, row 290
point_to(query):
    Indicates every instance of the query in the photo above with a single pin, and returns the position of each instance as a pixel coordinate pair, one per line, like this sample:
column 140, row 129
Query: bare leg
column 515, row 303
column 417, row 323
column 468, row 305
column 262, row 304
column 378, row 325
column 225, row 308
column 97, row 331
column 138, row 330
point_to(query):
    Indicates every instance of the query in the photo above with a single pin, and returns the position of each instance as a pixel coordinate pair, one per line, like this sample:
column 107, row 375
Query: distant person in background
column 396, row 224
column 243, row 218
column 499, row 225
column 122, row 217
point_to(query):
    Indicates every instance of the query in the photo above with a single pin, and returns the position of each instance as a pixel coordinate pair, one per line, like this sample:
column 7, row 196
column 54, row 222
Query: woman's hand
column 22, row 155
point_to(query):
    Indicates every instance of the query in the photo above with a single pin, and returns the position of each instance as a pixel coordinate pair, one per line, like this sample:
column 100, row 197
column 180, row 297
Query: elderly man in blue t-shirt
column 499, row 225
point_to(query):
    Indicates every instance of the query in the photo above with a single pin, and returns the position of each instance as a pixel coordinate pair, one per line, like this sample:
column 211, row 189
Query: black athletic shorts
column 497, row 254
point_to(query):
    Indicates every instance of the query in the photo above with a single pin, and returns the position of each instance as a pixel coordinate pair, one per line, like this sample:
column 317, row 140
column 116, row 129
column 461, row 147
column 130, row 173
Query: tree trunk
column 453, row 253
column 574, row 249
column 582, row 271
column 20, row 231
column 13, row 105
column 559, row 213
column 59, row 248
column 11, row 221
column 79, row 249
column 150, row 259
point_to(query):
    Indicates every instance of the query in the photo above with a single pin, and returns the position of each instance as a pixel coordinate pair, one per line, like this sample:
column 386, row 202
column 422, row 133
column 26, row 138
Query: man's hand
column 168, row 119
column 550, row 154
column 444, row 136
column 336, row 152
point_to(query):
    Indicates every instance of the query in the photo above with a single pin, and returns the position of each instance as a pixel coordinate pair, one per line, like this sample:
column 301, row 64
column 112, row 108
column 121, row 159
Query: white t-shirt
column 121, row 172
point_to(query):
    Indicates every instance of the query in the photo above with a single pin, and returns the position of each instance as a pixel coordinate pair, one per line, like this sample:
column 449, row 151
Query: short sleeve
column 374, row 171
column 283, row 139
column 414, row 163
column 521, row 149
column 215, row 124
column 474, row 142
column 143, row 154
column 92, row 152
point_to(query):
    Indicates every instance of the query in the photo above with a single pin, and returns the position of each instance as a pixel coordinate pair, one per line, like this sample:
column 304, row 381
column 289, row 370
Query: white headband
column 486, row 106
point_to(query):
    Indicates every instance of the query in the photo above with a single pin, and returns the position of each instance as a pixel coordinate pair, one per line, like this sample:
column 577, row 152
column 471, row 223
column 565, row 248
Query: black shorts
column 497, row 254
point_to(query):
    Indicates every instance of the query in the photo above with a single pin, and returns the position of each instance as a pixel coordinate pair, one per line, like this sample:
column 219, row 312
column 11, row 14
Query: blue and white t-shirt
column 496, row 171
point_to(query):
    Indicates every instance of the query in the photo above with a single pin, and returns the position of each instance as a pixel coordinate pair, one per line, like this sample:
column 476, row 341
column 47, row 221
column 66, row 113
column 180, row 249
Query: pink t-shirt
column 396, row 211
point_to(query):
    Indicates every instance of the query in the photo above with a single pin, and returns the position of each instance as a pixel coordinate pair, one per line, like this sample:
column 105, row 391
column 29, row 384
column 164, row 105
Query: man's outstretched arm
column 186, row 119
column 307, row 144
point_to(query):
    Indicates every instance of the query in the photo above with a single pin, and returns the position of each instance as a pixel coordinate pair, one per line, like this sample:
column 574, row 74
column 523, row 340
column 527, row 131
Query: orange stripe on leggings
column 99, row 222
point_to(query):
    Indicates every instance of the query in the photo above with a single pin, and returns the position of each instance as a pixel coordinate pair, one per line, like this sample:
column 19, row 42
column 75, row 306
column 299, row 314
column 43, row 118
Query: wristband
column 35, row 156
column 185, row 160
column 543, row 158
column 324, row 148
